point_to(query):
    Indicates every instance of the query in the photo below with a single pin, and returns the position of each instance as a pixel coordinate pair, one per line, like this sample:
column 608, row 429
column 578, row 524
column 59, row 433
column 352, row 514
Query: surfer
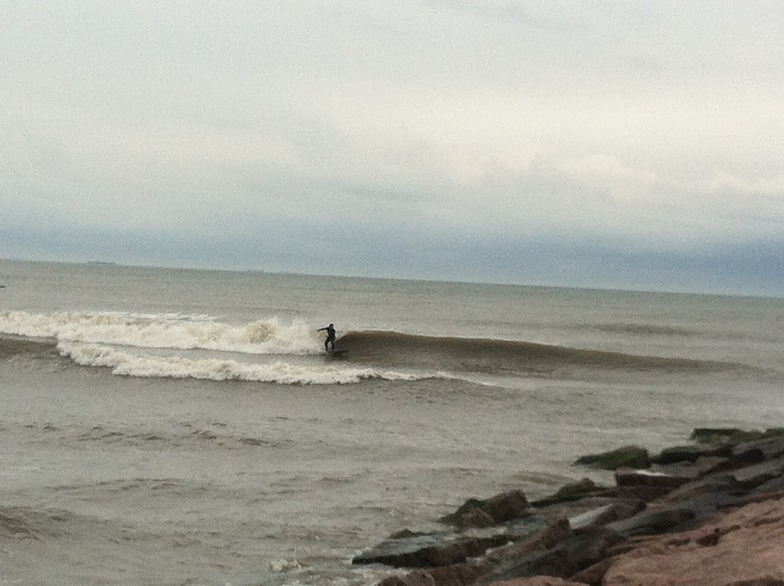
column 330, row 329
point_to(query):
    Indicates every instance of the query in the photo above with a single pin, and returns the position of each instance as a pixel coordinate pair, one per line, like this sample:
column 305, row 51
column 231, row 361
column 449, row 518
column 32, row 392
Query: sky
column 611, row 144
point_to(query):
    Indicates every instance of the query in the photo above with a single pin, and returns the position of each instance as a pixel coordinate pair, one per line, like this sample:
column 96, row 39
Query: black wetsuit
column 330, row 329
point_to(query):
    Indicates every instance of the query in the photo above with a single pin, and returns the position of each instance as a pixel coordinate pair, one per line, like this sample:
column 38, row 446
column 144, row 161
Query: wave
column 30, row 523
column 179, row 346
column 217, row 369
column 174, row 331
column 169, row 345
column 643, row 329
column 11, row 345
column 501, row 356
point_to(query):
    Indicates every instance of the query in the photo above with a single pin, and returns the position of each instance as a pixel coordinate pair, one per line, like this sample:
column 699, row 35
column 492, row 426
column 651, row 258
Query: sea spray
column 176, row 331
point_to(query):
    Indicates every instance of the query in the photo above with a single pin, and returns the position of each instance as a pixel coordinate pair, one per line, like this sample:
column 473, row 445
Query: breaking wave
column 175, row 331
column 180, row 346
column 219, row 369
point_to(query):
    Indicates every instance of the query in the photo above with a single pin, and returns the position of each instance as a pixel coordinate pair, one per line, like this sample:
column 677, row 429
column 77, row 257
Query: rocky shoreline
column 710, row 512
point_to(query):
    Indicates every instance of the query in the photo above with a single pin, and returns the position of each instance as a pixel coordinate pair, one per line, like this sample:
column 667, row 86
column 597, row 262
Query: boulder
column 659, row 519
column 742, row 547
column 493, row 511
column 692, row 453
column 473, row 517
column 740, row 459
column 771, row 447
column 578, row 552
column 724, row 435
column 506, row 506
column 719, row 486
column 622, row 509
column 705, row 514
column 667, row 479
column 774, row 485
column 572, row 508
column 711, row 464
column 756, row 474
column 427, row 551
column 574, row 491
column 628, row 456
column 528, row 526
column 643, row 493
column 733, row 435
column 543, row 540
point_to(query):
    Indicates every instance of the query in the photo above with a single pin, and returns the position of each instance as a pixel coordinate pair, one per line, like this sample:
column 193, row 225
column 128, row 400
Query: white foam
column 176, row 331
column 282, row 566
column 281, row 372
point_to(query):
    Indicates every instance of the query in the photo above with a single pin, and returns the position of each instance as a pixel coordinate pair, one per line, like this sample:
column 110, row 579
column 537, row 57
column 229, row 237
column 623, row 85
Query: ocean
column 170, row 426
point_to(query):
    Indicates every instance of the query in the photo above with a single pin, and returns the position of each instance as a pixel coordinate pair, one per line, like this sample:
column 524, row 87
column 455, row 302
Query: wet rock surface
column 711, row 513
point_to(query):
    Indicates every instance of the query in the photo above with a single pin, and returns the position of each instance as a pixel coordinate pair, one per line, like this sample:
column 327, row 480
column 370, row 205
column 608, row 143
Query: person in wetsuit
column 330, row 329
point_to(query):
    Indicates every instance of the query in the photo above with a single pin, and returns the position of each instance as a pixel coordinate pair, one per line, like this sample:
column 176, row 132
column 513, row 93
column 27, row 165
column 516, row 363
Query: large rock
column 574, row 491
column 653, row 520
column 722, row 487
column 576, row 508
column 771, row 447
column 579, row 551
column 628, row 456
column 692, row 453
column 493, row 511
column 427, row 551
column 621, row 509
column 648, row 485
column 542, row 540
column 745, row 546
column 774, row 485
column 723, row 435
column 732, row 435
column 669, row 477
column 740, row 459
column 664, row 525
column 756, row 474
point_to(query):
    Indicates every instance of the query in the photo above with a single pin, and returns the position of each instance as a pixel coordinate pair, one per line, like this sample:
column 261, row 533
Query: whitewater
column 166, row 426
column 115, row 340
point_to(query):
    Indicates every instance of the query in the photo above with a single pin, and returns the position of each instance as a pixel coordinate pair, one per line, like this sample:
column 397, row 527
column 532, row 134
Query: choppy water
column 186, row 427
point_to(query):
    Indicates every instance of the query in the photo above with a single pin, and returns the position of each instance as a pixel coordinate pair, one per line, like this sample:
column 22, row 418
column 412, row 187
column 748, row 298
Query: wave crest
column 178, row 367
column 174, row 331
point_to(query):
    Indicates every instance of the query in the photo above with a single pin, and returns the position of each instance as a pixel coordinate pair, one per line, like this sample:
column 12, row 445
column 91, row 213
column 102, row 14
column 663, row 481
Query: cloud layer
column 576, row 143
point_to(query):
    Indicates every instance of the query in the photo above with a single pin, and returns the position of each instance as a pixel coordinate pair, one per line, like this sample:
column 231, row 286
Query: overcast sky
column 584, row 143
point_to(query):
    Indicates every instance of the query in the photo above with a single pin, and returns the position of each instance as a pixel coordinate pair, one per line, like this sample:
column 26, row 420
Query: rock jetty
column 707, row 513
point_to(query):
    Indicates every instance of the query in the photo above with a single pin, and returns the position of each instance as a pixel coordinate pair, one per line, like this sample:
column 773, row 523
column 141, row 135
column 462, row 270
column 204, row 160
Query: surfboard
column 338, row 352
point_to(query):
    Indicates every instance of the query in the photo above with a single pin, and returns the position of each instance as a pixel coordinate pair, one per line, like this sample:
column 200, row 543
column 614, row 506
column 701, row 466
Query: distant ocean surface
column 165, row 426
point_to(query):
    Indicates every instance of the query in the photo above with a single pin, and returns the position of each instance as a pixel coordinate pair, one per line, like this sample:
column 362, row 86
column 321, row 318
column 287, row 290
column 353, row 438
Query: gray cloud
column 604, row 143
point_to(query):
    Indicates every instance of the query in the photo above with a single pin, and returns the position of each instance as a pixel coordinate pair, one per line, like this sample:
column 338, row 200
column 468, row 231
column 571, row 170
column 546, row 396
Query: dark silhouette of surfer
column 330, row 329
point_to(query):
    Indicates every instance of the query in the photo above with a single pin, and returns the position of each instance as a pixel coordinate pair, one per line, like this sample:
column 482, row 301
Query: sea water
column 165, row 426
